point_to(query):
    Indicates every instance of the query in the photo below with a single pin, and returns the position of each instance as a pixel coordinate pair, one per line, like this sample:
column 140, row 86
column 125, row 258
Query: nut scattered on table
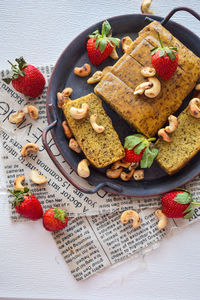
column 18, row 186
column 16, row 117
column 145, row 7
column 162, row 219
column 29, row 147
column 131, row 215
column 37, row 178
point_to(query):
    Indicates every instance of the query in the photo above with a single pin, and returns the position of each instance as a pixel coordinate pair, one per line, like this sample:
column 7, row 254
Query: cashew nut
column 197, row 87
column 142, row 87
column 61, row 99
column 17, row 117
column 97, row 128
column 114, row 173
column 33, row 111
column 67, row 92
column 155, row 90
column 18, row 183
column 29, row 147
column 145, row 7
column 67, row 130
column 173, row 124
column 79, row 113
column 73, row 144
column 96, row 77
column 83, row 71
column 126, row 41
column 114, row 54
column 138, row 175
column 133, row 165
column 162, row 219
column 37, row 178
column 131, row 215
column 194, row 107
column 127, row 176
column 106, row 70
column 82, row 169
column 119, row 163
column 148, row 72
column 162, row 133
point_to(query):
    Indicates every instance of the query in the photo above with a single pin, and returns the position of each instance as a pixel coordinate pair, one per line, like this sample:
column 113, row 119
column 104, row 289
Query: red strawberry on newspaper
column 26, row 204
column 26, row 79
column 55, row 219
column 164, row 60
column 178, row 204
column 100, row 45
column 138, row 149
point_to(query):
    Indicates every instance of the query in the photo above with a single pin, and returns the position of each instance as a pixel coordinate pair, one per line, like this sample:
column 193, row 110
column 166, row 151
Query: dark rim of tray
column 140, row 188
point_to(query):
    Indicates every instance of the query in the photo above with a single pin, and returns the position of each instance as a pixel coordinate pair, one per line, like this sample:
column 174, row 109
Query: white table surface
column 30, row 264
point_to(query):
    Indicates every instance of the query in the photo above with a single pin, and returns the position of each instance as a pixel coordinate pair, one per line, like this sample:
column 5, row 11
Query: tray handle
column 191, row 11
column 101, row 185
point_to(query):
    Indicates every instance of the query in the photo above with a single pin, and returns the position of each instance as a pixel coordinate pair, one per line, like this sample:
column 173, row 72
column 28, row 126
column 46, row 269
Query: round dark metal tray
column 156, row 180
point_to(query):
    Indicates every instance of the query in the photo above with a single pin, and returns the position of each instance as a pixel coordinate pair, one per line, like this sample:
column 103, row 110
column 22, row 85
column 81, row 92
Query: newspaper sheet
column 58, row 191
column 94, row 238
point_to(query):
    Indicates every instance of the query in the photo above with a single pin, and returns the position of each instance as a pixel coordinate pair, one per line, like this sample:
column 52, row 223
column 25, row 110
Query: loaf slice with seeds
column 101, row 149
column 185, row 143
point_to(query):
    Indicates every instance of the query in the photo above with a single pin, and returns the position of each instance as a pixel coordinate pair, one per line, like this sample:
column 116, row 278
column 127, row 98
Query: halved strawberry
column 138, row 149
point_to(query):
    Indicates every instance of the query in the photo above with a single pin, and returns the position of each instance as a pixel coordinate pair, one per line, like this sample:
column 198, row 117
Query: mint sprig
column 101, row 39
column 139, row 142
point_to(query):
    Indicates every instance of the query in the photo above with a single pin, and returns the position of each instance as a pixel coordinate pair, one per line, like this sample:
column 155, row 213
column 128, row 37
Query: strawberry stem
column 152, row 139
column 195, row 203
column 160, row 40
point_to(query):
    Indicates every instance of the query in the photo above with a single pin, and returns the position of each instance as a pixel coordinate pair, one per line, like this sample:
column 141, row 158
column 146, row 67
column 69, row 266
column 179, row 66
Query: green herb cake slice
column 101, row 149
column 185, row 143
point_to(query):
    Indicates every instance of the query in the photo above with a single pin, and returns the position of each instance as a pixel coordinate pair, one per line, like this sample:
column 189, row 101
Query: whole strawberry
column 178, row 204
column 100, row 46
column 138, row 149
column 26, row 79
column 164, row 60
column 55, row 219
column 26, row 204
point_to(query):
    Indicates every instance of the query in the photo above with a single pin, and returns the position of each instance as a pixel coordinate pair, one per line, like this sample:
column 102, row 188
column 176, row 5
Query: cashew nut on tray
column 18, row 183
column 154, row 91
column 194, row 107
column 162, row 133
column 131, row 215
column 79, row 113
column 114, row 173
column 67, row 130
column 29, row 147
column 119, row 164
column 73, row 144
column 95, row 126
column 96, row 77
column 127, row 176
column 162, row 219
column 125, row 42
column 83, row 170
column 83, row 71
column 148, row 72
column 173, row 124
column 138, row 175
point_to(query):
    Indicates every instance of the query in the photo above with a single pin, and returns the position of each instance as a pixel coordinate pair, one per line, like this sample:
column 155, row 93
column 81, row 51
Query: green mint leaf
column 133, row 140
column 183, row 198
column 139, row 148
column 7, row 80
column 148, row 157
column 106, row 28
column 114, row 41
column 161, row 53
column 190, row 214
column 102, row 45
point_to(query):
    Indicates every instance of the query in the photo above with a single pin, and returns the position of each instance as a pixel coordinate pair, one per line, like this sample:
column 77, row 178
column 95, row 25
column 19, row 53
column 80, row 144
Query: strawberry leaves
column 139, row 143
column 170, row 51
column 60, row 214
column 16, row 70
column 19, row 196
column 183, row 198
column 101, row 39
